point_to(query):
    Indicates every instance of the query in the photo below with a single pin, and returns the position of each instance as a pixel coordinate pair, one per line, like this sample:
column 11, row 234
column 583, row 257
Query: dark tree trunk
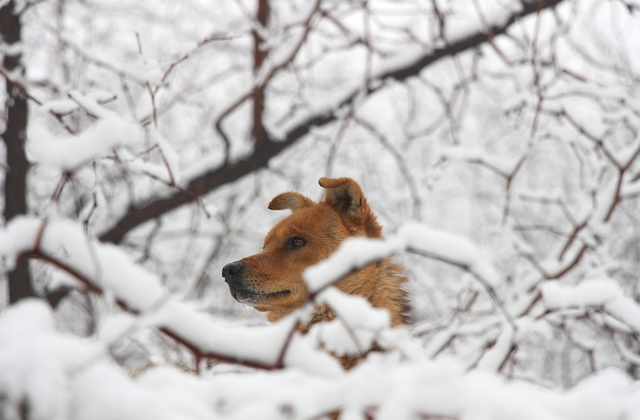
column 16, row 108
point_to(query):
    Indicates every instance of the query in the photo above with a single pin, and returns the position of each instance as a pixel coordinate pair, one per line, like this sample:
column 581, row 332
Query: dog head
column 271, row 281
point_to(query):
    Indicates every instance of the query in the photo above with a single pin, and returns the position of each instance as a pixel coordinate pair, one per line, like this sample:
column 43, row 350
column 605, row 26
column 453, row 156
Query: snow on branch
column 58, row 376
column 413, row 237
column 107, row 270
column 502, row 166
column 50, row 375
column 75, row 150
column 168, row 172
column 451, row 248
column 358, row 328
column 408, row 64
column 593, row 294
column 355, row 253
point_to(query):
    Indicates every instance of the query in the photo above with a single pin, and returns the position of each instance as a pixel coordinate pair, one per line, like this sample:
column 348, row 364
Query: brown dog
column 272, row 282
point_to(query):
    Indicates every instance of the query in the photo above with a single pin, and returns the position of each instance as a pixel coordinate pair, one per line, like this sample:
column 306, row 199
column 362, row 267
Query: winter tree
column 497, row 141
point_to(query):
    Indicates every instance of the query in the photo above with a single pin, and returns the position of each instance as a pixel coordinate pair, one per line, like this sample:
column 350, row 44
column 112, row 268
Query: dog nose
column 231, row 270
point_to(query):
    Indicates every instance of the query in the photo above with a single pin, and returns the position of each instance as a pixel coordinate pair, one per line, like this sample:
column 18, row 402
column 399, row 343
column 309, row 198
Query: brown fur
column 272, row 282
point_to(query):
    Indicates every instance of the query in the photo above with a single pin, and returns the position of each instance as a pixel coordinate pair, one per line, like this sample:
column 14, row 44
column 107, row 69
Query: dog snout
column 231, row 272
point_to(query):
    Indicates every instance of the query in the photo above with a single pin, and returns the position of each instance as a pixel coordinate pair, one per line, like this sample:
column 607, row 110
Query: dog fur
column 271, row 281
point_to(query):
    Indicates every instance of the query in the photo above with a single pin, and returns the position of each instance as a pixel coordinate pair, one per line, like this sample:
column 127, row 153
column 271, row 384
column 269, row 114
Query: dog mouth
column 252, row 296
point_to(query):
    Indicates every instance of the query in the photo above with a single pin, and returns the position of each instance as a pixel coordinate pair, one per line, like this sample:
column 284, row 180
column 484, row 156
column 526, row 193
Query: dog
column 271, row 281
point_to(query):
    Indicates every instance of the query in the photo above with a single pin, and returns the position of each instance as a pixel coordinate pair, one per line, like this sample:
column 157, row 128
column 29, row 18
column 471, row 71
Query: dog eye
column 295, row 242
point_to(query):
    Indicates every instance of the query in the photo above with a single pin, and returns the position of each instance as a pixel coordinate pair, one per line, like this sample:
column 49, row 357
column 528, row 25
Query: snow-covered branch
column 410, row 65
column 47, row 374
column 106, row 270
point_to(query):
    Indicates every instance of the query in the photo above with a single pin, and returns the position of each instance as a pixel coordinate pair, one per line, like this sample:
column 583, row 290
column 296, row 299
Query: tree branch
column 264, row 151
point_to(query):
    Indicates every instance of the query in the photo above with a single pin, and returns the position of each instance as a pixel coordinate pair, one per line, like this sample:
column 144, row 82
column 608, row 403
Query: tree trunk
column 16, row 107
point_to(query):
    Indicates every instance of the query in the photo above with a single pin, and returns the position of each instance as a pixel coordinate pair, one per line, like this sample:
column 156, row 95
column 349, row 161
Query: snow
column 66, row 106
column 71, row 152
column 14, row 49
column 35, row 362
column 501, row 165
column 353, row 309
column 157, row 171
column 18, row 237
column 496, row 355
column 453, row 248
column 354, row 253
column 400, row 60
column 15, row 325
column 60, row 384
column 60, row 106
column 148, row 70
column 67, row 377
column 114, row 327
column 593, row 293
column 625, row 155
column 414, row 237
column 438, row 342
column 120, row 397
column 630, row 189
column 262, row 345
column 167, row 171
column 107, row 267
column 359, row 325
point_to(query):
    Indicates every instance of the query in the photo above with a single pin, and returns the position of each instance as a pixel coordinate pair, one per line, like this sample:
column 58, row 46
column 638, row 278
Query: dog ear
column 290, row 200
column 346, row 197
